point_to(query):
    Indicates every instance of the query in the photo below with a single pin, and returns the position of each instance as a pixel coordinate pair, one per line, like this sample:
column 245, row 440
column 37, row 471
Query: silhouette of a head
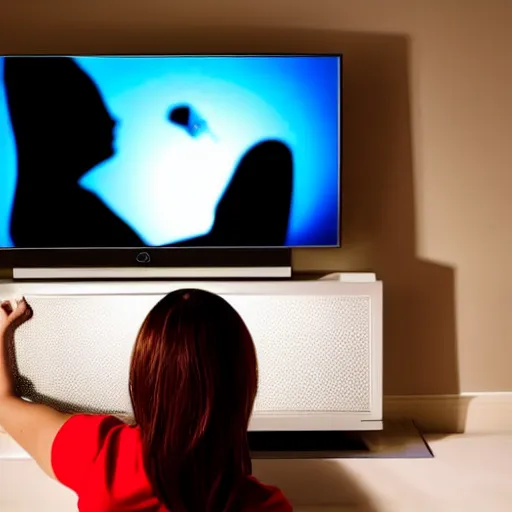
column 60, row 123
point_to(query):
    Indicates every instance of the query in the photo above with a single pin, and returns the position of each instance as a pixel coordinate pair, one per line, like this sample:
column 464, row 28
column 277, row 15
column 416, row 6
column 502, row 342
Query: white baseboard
column 471, row 413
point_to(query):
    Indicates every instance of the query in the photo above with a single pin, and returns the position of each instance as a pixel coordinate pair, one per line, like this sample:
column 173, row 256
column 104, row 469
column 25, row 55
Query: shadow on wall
column 379, row 228
column 420, row 352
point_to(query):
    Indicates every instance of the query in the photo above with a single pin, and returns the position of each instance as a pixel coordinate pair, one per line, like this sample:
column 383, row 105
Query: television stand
column 319, row 345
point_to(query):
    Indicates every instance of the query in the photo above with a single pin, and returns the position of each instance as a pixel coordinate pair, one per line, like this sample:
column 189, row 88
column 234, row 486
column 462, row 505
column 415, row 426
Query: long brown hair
column 193, row 381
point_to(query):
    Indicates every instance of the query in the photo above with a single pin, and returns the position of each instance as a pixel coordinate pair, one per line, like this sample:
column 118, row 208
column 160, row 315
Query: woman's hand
column 13, row 313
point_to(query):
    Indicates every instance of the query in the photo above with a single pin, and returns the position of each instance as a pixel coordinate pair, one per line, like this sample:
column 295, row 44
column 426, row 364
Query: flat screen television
column 162, row 160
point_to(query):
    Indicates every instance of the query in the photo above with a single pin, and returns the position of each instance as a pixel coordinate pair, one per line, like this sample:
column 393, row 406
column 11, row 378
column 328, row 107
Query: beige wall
column 428, row 151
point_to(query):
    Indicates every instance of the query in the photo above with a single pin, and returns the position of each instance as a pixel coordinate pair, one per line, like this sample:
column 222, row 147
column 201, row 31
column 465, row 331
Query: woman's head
column 193, row 381
column 57, row 116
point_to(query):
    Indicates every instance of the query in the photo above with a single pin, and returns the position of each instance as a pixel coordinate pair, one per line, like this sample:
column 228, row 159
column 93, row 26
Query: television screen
column 169, row 151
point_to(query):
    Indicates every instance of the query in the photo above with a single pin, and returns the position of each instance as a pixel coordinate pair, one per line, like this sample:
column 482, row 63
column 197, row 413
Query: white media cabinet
column 319, row 345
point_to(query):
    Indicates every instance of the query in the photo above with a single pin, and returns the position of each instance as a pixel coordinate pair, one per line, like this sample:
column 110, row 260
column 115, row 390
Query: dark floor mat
column 397, row 440
column 305, row 441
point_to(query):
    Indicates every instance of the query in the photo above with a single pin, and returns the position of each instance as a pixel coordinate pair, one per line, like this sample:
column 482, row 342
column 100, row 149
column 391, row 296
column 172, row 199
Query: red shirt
column 100, row 458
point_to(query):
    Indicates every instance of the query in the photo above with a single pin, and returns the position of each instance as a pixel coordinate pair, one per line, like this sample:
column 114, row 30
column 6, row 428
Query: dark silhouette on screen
column 256, row 205
column 62, row 130
column 255, row 208
column 190, row 120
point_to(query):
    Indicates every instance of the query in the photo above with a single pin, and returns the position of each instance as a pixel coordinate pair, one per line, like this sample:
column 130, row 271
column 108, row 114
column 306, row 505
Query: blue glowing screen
column 219, row 151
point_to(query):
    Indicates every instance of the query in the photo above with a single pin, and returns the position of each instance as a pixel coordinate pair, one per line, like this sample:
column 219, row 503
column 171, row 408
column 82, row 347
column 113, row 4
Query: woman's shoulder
column 100, row 458
column 88, row 435
column 90, row 428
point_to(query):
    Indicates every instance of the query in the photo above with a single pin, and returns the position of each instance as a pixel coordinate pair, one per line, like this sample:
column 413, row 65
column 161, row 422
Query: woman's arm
column 34, row 427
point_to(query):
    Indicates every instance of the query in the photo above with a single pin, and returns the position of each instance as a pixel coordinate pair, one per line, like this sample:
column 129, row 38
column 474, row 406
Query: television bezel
column 184, row 257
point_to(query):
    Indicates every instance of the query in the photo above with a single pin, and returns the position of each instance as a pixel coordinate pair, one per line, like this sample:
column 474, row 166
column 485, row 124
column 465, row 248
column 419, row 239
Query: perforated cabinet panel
column 306, row 352
column 314, row 352
column 76, row 350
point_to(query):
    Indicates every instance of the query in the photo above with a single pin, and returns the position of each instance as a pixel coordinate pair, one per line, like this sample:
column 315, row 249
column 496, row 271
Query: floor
column 468, row 473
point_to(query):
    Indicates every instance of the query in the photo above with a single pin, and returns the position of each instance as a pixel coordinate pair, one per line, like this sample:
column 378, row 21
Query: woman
column 193, row 381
